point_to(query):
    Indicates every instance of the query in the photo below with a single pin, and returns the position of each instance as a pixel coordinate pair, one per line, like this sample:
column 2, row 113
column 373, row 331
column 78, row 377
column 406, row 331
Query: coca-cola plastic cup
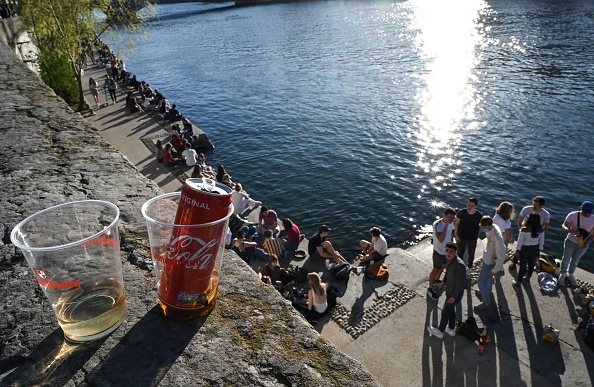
column 73, row 250
column 187, row 258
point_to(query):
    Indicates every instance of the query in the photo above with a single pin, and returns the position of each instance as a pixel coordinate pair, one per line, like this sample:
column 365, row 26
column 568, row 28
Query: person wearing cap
column 579, row 226
column 376, row 249
column 537, row 206
column 319, row 247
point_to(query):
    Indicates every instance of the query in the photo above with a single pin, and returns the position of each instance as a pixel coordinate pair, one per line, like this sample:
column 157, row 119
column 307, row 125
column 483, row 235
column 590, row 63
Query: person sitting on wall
column 188, row 129
column 190, row 155
column 293, row 235
column 375, row 250
column 178, row 144
column 173, row 114
column 319, row 247
column 245, row 249
column 273, row 274
column 272, row 245
column 267, row 220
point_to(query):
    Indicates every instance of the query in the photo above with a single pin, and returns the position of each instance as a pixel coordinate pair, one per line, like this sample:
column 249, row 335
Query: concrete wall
column 253, row 337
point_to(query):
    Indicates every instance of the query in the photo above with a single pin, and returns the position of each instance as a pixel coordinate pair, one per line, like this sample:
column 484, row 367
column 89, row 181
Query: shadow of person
column 144, row 355
column 358, row 306
column 432, row 355
column 52, row 363
column 546, row 358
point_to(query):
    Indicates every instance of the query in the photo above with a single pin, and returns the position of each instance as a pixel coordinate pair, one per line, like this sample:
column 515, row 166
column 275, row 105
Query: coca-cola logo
column 193, row 252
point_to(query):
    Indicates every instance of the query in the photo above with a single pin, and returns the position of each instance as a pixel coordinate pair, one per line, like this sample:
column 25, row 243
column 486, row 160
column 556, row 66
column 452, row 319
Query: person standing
column 493, row 259
column 579, row 226
column 466, row 231
column 376, row 249
column 537, row 206
column 111, row 86
column 455, row 282
column 530, row 244
column 503, row 217
column 442, row 234
column 94, row 88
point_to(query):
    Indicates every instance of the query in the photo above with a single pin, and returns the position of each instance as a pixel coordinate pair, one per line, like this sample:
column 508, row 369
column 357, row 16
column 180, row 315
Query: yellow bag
column 377, row 272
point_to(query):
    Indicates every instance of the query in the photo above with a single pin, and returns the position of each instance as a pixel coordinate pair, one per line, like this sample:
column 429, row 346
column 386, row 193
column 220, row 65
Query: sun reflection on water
column 447, row 35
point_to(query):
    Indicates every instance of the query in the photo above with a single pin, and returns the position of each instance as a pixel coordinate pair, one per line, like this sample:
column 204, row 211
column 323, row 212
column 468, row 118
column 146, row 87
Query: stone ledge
column 253, row 337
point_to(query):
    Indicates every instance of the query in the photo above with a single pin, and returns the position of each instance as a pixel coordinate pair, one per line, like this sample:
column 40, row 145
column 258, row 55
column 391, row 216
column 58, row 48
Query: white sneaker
column 561, row 281
column 435, row 332
column 572, row 279
column 450, row 331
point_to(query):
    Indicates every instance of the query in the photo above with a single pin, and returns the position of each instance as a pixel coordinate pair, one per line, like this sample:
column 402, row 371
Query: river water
column 363, row 113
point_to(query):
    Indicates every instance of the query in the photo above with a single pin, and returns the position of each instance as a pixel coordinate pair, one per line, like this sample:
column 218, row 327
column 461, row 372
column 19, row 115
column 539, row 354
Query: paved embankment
column 52, row 155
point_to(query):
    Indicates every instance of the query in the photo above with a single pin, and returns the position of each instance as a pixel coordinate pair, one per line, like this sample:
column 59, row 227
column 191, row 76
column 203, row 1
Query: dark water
column 362, row 113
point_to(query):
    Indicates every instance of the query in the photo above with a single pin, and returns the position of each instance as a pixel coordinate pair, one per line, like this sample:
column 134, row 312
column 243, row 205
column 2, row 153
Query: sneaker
column 482, row 306
column 572, row 280
column 516, row 284
column 435, row 332
column 431, row 293
column 561, row 281
column 450, row 331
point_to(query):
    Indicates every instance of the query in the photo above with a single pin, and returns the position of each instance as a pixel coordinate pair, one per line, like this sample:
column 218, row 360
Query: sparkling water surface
column 363, row 113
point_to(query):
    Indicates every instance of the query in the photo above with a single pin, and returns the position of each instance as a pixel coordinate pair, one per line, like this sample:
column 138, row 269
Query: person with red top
column 267, row 220
column 168, row 158
column 292, row 235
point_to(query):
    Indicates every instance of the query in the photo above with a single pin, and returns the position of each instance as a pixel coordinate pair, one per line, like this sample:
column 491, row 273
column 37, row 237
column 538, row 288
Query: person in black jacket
column 455, row 283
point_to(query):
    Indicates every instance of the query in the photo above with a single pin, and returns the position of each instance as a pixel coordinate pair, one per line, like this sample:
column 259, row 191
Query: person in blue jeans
column 493, row 259
column 455, row 283
column 530, row 244
column 579, row 226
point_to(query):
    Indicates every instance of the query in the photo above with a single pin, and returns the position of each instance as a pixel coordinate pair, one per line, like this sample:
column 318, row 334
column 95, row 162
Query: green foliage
column 57, row 73
column 61, row 26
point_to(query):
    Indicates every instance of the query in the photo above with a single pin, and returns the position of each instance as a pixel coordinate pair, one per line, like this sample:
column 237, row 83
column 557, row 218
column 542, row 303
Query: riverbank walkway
column 383, row 324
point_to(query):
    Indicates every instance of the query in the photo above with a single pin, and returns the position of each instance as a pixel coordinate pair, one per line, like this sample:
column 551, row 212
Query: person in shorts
column 319, row 247
column 375, row 250
column 443, row 230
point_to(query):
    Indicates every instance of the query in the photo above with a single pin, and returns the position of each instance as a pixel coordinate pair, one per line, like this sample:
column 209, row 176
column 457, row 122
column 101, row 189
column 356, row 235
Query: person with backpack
column 579, row 226
column 454, row 282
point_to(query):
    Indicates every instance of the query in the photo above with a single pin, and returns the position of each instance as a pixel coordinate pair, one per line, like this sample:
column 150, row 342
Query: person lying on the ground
column 168, row 159
column 319, row 247
column 376, row 249
column 227, row 181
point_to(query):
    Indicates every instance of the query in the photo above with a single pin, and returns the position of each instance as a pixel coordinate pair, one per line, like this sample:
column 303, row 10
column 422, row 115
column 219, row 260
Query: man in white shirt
column 579, row 226
column 190, row 156
column 376, row 249
column 443, row 232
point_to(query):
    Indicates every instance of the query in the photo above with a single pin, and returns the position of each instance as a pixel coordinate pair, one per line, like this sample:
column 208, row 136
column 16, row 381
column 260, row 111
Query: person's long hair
column 533, row 225
column 506, row 210
column 316, row 284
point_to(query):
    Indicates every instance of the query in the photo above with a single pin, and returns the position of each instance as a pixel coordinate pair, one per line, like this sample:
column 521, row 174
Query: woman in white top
column 317, row 300
column 240, row 199
column 530, row 244
column 503, row 217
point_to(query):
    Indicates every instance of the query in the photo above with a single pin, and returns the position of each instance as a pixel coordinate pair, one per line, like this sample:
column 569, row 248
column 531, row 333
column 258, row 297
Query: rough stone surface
column 253, row 337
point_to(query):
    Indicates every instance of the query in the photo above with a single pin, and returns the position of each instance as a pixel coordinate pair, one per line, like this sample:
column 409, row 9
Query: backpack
column 378, row 272
column 331, row 294
column 340, row 271
column 469, row 329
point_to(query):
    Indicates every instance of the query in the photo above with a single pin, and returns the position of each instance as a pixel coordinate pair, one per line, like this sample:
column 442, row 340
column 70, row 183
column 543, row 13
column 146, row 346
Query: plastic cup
column 73, row 250
column 187, row 258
